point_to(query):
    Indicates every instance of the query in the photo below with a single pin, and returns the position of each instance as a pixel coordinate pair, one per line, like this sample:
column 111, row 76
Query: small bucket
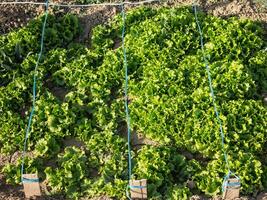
column 138, row 189
column 31, row 185
column 231, row 188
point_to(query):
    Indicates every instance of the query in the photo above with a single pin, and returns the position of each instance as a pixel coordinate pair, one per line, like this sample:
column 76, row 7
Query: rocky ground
column 15, row 16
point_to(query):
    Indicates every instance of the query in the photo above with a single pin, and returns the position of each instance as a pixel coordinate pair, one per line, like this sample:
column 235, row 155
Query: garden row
column 81, row 96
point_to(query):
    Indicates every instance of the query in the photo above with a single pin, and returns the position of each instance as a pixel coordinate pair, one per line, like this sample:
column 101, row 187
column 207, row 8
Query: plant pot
column 231, row 189
column 31, row 185
column 138, row 189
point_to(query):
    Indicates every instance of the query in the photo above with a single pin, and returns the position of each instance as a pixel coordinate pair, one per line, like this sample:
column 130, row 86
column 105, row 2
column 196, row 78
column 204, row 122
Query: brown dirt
column 138, row 140
column 73, row 142
column 8, row 192
column 11, row 159
column 4, row 160
column 92, row 17
column 15, row 16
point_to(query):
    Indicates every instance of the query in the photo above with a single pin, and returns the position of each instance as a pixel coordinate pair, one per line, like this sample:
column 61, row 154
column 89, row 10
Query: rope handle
column 127, row 192
column 226, row 183
column 125, row 65
column 211, row 86
column 46, row 5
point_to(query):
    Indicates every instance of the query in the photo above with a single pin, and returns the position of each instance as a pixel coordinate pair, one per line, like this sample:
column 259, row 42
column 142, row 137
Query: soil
column 15, row 16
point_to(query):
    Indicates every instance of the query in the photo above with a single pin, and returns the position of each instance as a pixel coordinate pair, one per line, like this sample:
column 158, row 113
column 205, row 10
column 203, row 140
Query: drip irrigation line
column 128, row 120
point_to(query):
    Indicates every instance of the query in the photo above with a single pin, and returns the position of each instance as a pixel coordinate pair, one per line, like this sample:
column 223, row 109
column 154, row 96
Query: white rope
column 81, row 5
column 18, row 2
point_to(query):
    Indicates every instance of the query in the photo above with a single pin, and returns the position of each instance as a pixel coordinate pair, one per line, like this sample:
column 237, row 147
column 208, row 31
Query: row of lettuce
column 81, row 99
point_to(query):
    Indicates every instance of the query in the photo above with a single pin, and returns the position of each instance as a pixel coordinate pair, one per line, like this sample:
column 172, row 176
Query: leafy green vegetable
column 80, row 94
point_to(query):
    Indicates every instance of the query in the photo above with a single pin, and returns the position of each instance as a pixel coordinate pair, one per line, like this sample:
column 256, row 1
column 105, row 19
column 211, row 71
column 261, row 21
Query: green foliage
column 47, row 147
column 18, row 45
column 178, row 193
column 107, row 154
column 12, row 132
column 70, row 174
column 264, row 177
column 80, row 95
column 245, row 165
column 162, row 167
column 13, row 171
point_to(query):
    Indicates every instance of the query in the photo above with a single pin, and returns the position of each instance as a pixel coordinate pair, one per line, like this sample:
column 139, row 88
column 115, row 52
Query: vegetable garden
column 176, row 141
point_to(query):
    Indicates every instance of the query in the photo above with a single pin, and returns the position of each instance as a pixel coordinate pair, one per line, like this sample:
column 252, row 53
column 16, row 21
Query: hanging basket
column 31, row 185
column 138, row 189
column 231, row 187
